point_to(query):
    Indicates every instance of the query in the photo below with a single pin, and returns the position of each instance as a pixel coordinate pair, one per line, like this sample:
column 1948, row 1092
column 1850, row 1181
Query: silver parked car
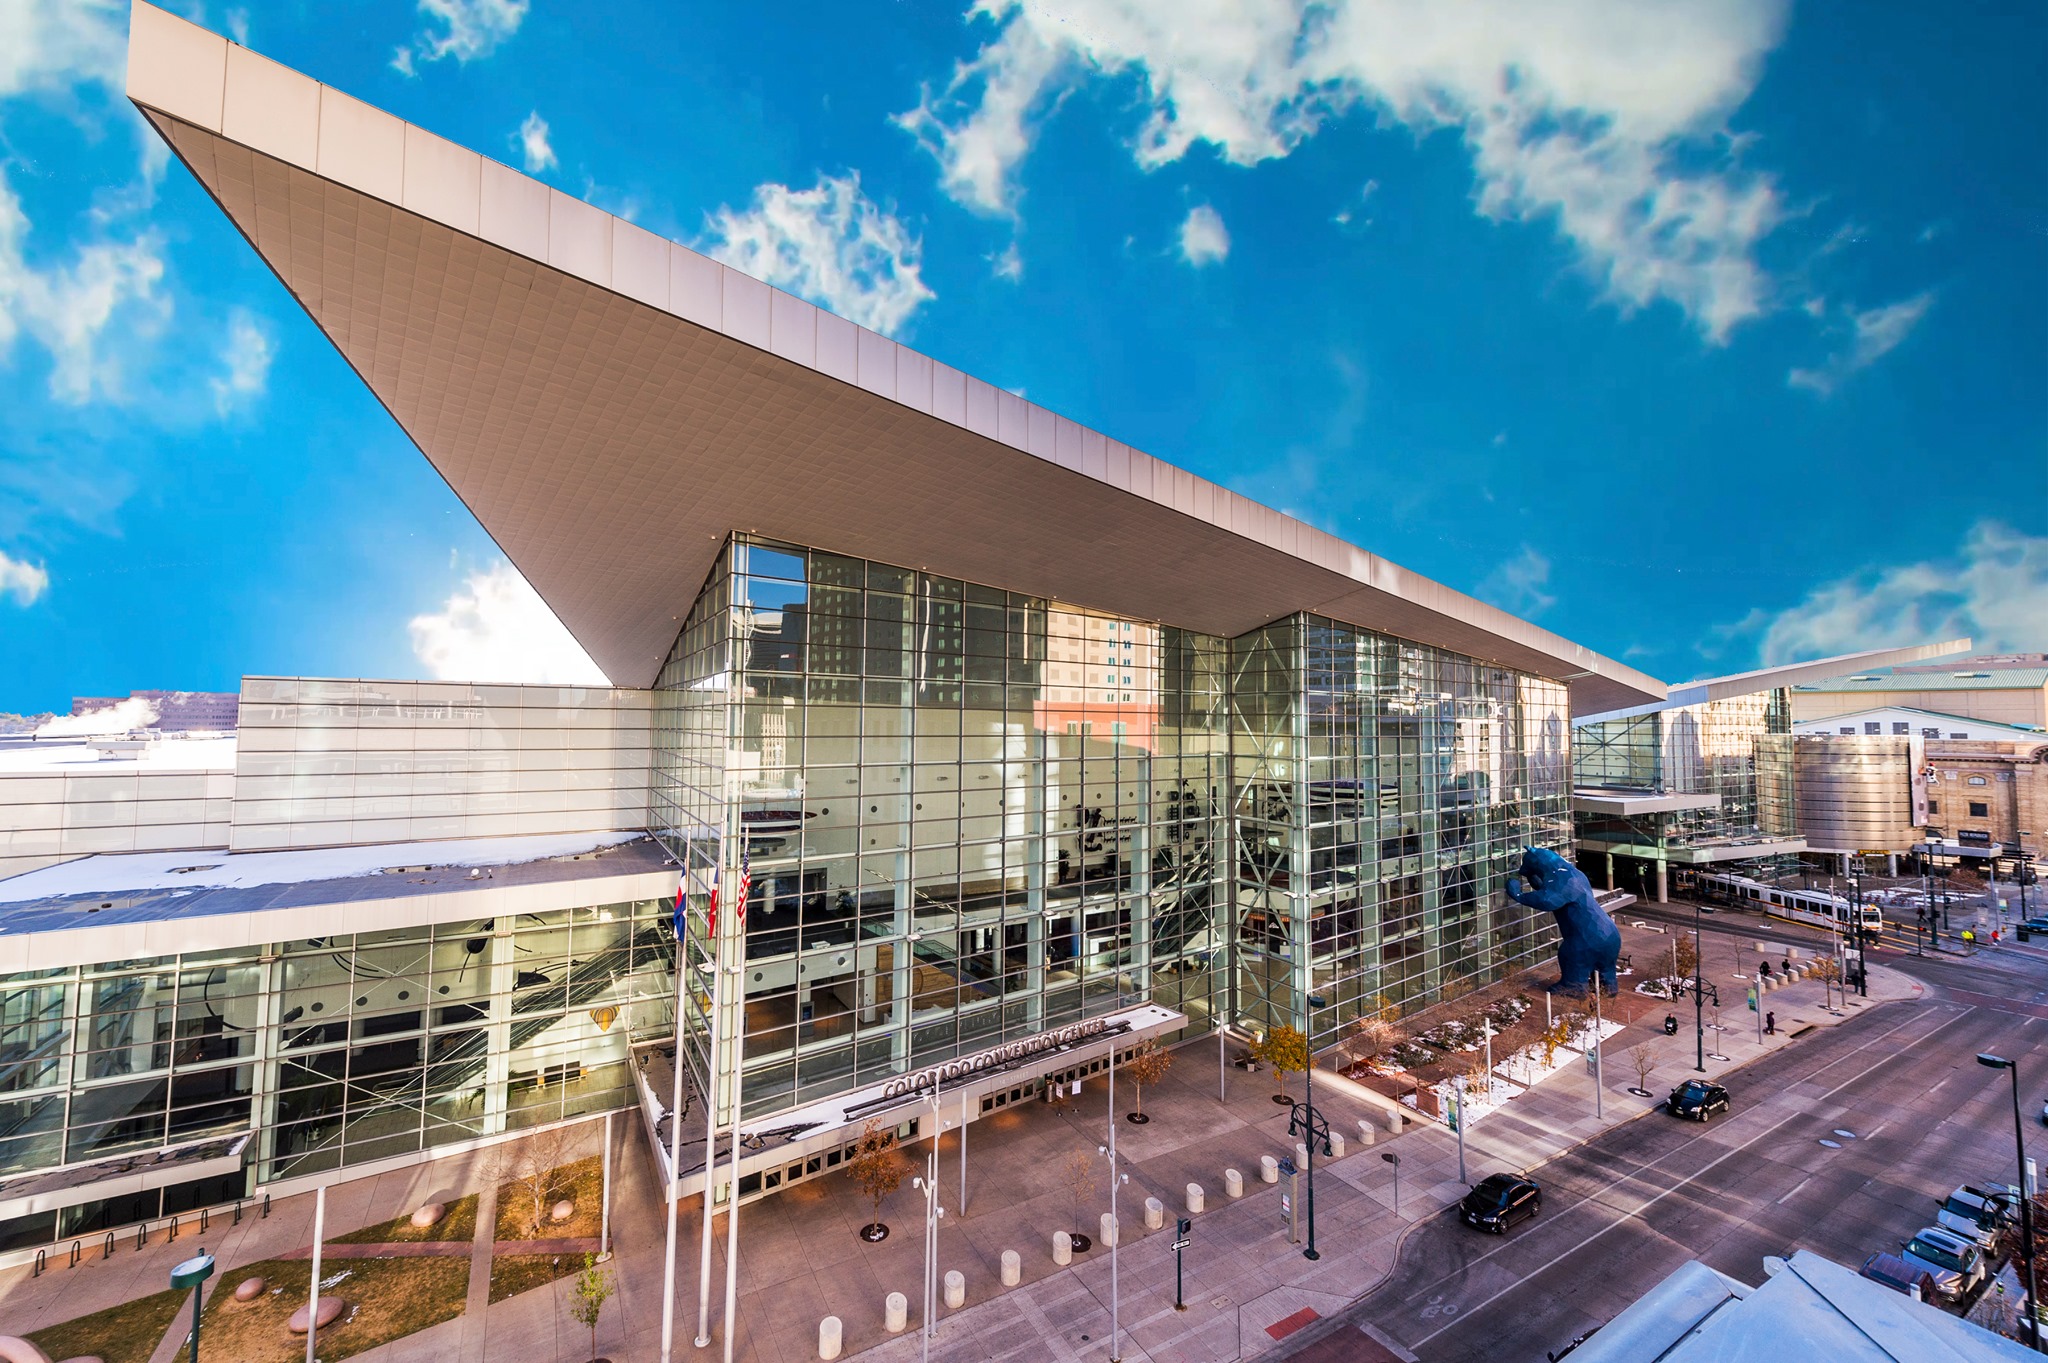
column 1956, row 1264
column 1974, row 1213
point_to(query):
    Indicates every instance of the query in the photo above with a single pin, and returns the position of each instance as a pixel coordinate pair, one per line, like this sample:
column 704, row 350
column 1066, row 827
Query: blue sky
column 1702, row 333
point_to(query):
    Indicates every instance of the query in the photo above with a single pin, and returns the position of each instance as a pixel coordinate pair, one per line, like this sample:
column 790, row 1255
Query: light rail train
column 1817, row 908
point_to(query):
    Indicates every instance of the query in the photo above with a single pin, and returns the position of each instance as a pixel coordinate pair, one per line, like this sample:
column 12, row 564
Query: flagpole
column 710, row 1096
column 739, row 1044
column 675, row 1123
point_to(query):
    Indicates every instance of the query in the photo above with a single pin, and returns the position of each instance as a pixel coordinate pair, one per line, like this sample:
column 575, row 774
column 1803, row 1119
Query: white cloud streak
column 496, row 628
column 1994, row 588
column 468, row 29
column 1520, row 585
column 831, row 244
column 47, row 46
column 1602, row 117
column 25, row 582
column 66, row 307
column 1873, row 334
column 532, row 140
column 1203, row 238
column 245, row 362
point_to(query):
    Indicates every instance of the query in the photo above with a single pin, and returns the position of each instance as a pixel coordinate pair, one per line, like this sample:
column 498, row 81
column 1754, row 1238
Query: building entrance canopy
column 593, row 392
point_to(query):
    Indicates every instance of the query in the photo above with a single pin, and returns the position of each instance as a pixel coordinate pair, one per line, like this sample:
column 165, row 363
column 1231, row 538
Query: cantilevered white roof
column 610, row 404
column 1769, row 678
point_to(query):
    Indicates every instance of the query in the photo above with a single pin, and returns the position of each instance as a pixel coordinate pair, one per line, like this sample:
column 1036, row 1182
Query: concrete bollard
column 1300, row 1155
column 1233, row 1183
column 1269, row 1169
column 895, row 1313
column 956, row 1289
column 1013, row 1268
column 1336, row 1145
column 1155, row 1213
column 1109, row 1229
column 1393, row 1123
column 1364, row 1131
column 1194, row 1199
column 829, row 1337
column 1062, row 1251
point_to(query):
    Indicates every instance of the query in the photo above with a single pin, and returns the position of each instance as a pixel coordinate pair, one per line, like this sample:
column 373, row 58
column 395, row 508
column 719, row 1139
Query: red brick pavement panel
column 1281, row 1329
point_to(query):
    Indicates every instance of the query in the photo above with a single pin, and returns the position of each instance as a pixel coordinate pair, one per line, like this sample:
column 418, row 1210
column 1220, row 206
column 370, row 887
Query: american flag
column 739, row 898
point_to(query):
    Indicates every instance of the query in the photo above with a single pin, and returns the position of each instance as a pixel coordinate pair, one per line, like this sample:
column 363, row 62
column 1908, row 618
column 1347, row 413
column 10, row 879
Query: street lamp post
column 193, row 1274
column 933, row 1212
column 1314, row 1130
column 2019, row 1140
column 1699, row 999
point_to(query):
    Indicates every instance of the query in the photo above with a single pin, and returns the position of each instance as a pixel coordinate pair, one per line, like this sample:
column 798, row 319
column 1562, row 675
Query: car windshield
column 1934, row 1254
column 1493, row 1190
column 1966, row 1207
column 1693, row 1089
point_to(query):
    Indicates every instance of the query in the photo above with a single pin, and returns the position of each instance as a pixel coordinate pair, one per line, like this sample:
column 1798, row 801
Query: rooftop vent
column 1968, row 676
column 1867, row 676
column 188, row 870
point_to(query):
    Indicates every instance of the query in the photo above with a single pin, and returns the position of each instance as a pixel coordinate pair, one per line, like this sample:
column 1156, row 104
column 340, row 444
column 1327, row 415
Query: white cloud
column 533, row 144
column 1519, row 585
column 1008, row 263
column 48, row 46
column 1993, row 589
column 496, row 628
column 1872, row 335
column 22, row 580
column 67, row 307
column 1604, row 118
column 245, row 362
column 1203, row 240
column 832, row 244
column 238, row 26
column 468, row 29
column 136, row 712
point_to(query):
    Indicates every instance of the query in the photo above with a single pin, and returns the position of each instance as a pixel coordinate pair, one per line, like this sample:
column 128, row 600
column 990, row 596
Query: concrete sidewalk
column 800, row 1257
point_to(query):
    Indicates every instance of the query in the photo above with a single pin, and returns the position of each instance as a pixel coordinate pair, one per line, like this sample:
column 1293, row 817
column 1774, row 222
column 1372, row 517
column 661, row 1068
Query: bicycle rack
column 142, row 1235
column 77, row 1249
column 266, row 1205
column 202, row 1220
column 39, row 1265
column 238, row 1211
column 174, row 1231
column 107, row 1250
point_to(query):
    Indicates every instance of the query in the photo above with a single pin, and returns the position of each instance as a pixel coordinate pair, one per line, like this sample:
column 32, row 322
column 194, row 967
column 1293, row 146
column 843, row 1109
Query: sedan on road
column 1697, row 1099
column 1499, row 1201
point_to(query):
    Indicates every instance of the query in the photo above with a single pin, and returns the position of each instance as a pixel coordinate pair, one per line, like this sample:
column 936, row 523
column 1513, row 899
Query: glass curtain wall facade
column 1383, row 791
column 337, row 1051
column 970, row 815
column 1738, row 748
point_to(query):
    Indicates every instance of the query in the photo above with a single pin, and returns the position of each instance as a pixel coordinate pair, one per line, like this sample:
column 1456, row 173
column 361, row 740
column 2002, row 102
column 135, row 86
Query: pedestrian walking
column 1770, row 1024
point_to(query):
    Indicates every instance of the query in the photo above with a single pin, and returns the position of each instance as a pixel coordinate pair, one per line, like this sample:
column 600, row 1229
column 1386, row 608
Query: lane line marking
column 1480, row 1306
column 1795, row 1188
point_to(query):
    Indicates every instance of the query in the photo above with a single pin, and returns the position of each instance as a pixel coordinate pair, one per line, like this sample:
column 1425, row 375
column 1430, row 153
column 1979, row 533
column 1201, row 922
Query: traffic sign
column 1182, row 1244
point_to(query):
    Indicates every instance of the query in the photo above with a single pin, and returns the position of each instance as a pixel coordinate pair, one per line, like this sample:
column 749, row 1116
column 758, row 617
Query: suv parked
column 1976, row 1213
column 1956, row 1264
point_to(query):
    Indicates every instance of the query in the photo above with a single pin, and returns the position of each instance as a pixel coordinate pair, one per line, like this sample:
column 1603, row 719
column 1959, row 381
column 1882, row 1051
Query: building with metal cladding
column 1025, row 744
column 1704, row 778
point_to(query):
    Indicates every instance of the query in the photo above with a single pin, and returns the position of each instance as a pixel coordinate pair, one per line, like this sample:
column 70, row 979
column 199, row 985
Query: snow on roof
column 130, row 872
column 77, row 756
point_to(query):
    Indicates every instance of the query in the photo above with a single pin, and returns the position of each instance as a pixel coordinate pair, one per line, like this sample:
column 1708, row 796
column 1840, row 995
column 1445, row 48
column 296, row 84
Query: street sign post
column 1395, row 1160
column 1183, row 1226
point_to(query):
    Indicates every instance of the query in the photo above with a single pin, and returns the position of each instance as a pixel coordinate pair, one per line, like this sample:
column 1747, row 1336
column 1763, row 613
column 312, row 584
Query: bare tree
column 1148, row 1064
column 534, row 1166
column 1079, row 1175
column 1644, row 1058
column 1372, row 1036
column 878, row 1169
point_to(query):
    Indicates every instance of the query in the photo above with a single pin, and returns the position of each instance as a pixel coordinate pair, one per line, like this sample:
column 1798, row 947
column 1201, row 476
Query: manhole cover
column 1845, row 1135
column 1219, row 1301
column 1832, row 1145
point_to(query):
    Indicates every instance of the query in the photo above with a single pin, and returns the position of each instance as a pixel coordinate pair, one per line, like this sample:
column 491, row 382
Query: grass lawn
column 512, row 1274
column 581, row 1182
column 128, row 1333
column 388, row 1299
column 458, row 1224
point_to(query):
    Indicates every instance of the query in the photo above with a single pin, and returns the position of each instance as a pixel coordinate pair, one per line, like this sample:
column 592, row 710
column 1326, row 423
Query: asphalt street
column 1897, row 1091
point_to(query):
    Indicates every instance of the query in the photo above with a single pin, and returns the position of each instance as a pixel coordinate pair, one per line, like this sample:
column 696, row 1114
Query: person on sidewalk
column 1770, row 1024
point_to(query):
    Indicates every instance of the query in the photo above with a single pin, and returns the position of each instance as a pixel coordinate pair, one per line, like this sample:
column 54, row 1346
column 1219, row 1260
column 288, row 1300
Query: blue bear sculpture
column 1588, row 941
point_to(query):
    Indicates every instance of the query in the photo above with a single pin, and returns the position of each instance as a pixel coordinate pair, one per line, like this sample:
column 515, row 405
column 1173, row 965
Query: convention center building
column 1026, row 745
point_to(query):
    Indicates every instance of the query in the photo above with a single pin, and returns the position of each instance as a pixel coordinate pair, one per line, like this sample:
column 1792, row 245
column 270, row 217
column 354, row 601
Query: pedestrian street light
column 2019, row 1140
column 193, row 1273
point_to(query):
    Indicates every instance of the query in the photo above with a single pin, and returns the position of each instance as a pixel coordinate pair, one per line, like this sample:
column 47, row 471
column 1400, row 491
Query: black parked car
column 1499, row 1201
column 1697, row 1099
